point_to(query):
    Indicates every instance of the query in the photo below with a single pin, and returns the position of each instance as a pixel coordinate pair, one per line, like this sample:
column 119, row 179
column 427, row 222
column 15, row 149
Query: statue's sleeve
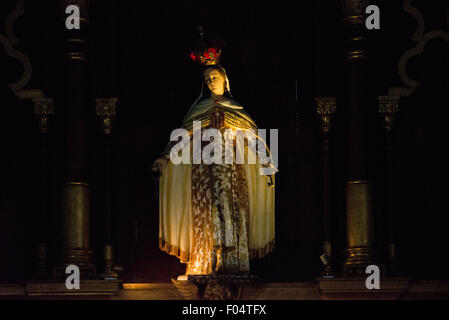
column 175, row 222
column 261, row 199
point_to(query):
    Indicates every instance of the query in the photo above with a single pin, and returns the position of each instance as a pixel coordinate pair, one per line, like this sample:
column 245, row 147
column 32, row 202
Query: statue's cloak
column 176, row 227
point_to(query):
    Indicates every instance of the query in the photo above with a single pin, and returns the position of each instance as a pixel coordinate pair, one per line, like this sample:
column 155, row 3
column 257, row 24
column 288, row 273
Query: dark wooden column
column 75, row 194
column 43, row 109
column 326, row 107
column 106, row 110
column 389, row 106
column 359, row 185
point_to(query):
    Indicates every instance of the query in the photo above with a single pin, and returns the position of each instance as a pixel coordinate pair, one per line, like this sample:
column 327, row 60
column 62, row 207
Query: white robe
column 176, row 227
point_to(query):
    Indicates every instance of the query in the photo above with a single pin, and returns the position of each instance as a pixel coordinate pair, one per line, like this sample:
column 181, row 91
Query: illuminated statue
column 216, row 217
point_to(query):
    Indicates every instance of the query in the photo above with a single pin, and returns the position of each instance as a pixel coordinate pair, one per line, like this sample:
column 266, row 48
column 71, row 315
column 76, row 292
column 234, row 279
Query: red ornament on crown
column 209, row 57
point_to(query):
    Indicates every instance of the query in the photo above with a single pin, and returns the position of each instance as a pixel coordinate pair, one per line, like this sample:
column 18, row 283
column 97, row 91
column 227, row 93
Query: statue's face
column 215, row 81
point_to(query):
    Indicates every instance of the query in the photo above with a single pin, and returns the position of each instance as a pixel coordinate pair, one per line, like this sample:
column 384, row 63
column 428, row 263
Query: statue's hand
column 160, row 164
column 269, row 181
column 217, row 118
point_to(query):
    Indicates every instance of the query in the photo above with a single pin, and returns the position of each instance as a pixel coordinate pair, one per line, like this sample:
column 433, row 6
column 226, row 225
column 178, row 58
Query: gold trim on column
column 355, row 19
column 75, row 56
column 75, row 40
column 77, row 183
column 357, row 54
column 357, row 181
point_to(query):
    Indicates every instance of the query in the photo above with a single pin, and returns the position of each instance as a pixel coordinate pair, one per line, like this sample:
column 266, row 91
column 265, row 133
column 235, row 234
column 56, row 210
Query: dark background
column 278, row 56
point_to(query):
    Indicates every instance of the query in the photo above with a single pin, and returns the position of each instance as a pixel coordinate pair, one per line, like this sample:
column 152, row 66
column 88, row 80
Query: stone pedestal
column 213, row 287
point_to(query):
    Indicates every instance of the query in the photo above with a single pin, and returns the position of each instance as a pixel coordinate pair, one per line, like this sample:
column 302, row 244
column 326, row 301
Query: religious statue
column 215, row 217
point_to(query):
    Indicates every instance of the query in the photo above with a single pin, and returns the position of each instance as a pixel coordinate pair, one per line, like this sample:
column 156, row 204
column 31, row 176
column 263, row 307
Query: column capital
column 326, row 107
column 388, row 106
column 106, row 110
column 43, row 109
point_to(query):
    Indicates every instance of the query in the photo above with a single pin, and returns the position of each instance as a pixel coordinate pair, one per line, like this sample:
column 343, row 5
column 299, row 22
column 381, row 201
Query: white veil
column 227, row 89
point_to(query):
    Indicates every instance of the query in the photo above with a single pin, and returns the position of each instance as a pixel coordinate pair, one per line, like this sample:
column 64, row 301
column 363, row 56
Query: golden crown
column 207, row 51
